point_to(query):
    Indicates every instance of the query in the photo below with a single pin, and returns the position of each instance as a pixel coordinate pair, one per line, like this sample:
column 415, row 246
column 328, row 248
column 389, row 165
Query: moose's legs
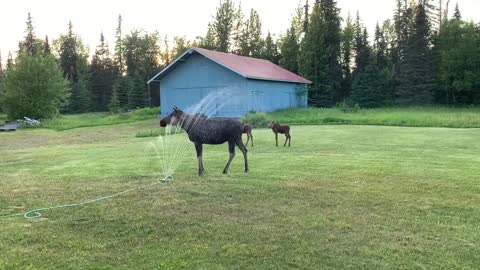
column 251, row 137
column 244, row 152
column 287, row 138
column 231, row 150
column 248, row 138
column 198, row 147
column 276, row 139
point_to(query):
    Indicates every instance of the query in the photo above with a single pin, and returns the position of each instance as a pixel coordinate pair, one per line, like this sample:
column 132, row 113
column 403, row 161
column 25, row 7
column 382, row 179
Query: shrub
column 157, row 132
column 256, row 119
column 35, row 88
column 347, row 106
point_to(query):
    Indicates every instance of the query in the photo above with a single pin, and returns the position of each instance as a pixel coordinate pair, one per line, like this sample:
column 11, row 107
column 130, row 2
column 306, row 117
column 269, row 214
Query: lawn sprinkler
column 166, row 180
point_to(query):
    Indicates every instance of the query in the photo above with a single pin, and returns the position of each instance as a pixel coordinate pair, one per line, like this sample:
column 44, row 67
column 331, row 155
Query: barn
column 227, row 85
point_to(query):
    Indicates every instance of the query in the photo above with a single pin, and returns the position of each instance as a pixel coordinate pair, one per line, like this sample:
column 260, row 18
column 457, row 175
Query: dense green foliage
column 256, row 119
column 34, row 88
column 342, row 197
column 404, row 117
column 457, row 62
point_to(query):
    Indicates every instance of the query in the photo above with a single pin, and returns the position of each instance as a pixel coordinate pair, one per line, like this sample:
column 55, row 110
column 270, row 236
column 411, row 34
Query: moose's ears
column 175, row 108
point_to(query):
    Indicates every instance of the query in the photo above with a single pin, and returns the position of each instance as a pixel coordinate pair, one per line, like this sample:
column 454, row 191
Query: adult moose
column 203, row 130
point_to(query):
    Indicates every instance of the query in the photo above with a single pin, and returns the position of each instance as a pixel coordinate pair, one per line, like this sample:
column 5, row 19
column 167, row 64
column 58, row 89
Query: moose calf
column 282, row 129
column 248, row 130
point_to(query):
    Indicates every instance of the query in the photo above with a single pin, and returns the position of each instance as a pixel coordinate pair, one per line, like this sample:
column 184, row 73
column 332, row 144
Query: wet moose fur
column 203, row 130
column 248, row 130
column 282, row 129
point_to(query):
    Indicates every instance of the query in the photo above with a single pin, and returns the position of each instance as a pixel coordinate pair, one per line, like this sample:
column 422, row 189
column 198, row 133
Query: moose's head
column 173, row 118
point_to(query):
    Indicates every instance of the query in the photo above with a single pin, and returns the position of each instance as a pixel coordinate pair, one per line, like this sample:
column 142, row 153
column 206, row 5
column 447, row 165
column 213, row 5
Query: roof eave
column 189, row 51
column 305, row 81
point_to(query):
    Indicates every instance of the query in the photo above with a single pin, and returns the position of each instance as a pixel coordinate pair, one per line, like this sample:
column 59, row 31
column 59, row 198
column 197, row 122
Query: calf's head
column 272, row 124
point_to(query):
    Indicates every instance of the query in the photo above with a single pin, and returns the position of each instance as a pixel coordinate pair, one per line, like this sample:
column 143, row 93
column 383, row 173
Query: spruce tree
column 307, row 16
column 118, row 59
column 1, row 64
column 250, row 41
column 380, row 47
column 223, row 25
column 80, row 99
column 136, row 96
column 361, row 47
column 244, row 40
column 368, row 87
column 270, row 52
column 255, row 34
column 416, row 76
column 74, row 65
column 114, row 105
column 289, row 45
column 142, row 54
column 103, row 76
column 289, row 51
column 208, row 41
column 312, row 60
column 30, row 45
column 298, row 19
column 46, row 47
column 332, row 38
column 123, row 87
column 347, row 49
column 9, row 61
column 237, row 29
column 69, row 54
column 457, row 15
column 181, row 46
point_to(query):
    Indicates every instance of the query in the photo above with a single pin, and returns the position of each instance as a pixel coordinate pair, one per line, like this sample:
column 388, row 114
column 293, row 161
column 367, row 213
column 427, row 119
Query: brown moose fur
column 282, row 129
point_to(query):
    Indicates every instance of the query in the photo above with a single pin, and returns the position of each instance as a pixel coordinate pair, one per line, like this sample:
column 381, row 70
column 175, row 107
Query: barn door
column 257, row 101
column 290, row 99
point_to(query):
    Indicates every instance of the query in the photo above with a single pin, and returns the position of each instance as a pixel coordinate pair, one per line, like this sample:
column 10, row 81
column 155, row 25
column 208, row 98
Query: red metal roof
column 252, row 68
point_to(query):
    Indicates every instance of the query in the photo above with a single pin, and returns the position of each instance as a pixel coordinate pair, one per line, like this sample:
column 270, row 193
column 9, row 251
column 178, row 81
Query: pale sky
column 169, row 17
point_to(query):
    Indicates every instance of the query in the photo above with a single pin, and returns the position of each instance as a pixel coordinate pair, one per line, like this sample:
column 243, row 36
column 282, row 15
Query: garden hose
column 36, row 213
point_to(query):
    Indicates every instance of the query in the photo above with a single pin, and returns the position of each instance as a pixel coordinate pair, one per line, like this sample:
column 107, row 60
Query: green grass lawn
column 407, row 117
column 342, row 197
column 71, row 121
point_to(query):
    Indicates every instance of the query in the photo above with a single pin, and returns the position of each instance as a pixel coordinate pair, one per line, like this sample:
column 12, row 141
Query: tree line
column 419, row 56
column 51, row 77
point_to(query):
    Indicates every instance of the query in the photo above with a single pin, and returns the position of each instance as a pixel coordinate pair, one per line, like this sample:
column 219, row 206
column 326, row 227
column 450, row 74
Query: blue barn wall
column 201, row 85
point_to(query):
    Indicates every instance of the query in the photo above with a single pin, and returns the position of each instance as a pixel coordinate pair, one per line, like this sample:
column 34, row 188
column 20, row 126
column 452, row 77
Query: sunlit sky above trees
column 169, row 17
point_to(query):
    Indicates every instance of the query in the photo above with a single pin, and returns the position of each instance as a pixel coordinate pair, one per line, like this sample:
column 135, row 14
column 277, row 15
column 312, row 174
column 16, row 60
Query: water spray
column 36, row 213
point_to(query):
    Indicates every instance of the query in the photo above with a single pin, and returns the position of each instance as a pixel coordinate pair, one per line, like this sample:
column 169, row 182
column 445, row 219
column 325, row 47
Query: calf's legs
column 248, row 138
